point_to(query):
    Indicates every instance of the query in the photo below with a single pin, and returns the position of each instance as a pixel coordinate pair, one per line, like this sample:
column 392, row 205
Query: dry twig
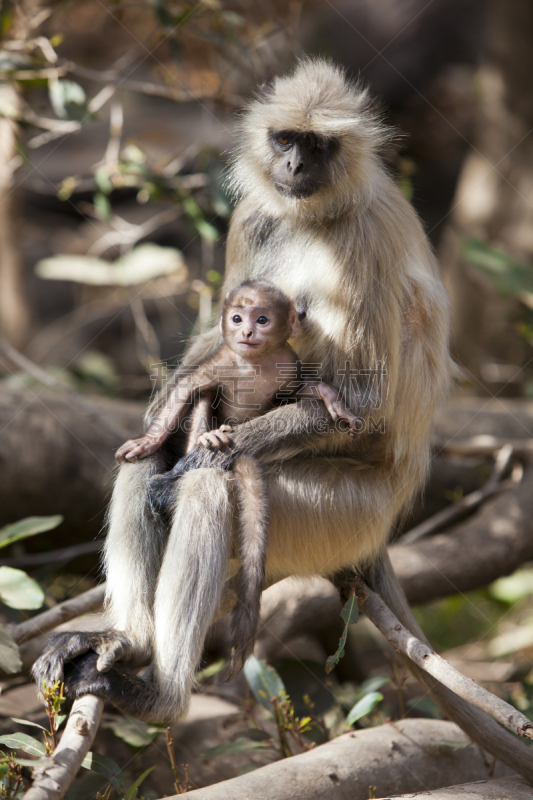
column 425, row 658
column 83, row 604
column 468, row 504
column 52, row 781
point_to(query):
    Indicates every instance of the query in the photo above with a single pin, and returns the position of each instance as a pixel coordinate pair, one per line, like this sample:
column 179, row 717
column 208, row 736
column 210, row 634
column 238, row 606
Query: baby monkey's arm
column 337, row 409
column 171, row 414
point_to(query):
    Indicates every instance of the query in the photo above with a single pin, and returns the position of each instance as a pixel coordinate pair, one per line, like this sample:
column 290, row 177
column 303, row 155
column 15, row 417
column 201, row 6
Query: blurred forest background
column 116, row 121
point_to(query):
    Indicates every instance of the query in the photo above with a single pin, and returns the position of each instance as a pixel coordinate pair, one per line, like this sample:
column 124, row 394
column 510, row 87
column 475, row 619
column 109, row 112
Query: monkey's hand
column 139, row 448
column 339, row 410
column 217, row 438
column 109, row 646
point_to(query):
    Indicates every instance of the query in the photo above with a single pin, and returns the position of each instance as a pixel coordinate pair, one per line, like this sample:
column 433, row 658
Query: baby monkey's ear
column 294, row 322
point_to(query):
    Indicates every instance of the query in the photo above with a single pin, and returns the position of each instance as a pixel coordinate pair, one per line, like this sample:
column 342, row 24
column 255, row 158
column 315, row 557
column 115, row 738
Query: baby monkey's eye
column 236, row 319
column 262, row 320
column 283, row 140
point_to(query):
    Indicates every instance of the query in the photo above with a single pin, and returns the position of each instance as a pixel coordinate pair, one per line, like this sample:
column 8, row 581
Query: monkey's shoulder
column 259, row 228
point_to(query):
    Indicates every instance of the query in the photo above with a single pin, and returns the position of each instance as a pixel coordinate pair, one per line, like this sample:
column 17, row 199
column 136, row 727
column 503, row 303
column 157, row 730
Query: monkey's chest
column 307, row 269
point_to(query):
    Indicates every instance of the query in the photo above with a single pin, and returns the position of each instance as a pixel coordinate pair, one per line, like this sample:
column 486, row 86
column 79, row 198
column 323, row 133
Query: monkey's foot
column 120, row 685
column 162, row 487
column 108, row 647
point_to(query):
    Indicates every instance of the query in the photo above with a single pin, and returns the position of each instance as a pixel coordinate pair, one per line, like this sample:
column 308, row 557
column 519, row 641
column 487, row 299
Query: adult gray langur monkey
column 319, row 216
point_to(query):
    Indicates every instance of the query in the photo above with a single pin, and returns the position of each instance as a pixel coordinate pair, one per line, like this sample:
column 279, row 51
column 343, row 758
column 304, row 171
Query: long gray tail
column 252, row 499
column 481, row 728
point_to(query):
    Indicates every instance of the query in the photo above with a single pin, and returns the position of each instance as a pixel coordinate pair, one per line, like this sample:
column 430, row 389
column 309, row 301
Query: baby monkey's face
column 255, row 325
column 254, row 330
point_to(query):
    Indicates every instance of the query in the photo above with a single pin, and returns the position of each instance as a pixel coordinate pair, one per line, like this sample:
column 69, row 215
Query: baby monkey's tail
column 252, row 501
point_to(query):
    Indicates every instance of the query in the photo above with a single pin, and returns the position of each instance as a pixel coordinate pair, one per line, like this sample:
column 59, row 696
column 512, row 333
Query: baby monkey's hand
column 339, row 410
column 217, row 438
column 138, row 448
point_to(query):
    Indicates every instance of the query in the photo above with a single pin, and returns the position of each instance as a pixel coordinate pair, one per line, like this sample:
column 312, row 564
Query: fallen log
column 408, row 756
column 501, row 789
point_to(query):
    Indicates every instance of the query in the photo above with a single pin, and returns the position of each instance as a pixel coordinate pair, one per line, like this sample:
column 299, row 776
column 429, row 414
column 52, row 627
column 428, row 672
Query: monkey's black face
column 301, row 162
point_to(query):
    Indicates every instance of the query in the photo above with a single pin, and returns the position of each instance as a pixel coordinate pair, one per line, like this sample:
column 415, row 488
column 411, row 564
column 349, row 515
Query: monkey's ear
column 294, row 322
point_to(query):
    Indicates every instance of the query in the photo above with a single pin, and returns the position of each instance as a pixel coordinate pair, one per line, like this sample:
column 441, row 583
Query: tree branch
column 407, row 756
column 495, row 542
column 52, row 781
column 420, row 654
column 88, row 601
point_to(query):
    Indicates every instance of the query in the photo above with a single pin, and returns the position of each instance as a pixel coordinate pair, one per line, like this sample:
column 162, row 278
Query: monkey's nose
column 295, row 163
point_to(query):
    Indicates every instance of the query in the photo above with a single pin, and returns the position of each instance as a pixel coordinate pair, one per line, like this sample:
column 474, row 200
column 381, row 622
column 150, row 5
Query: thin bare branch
column 83, row 604
column 425, row 658
column 466, row 505
column 483, row 445
column 60, row 556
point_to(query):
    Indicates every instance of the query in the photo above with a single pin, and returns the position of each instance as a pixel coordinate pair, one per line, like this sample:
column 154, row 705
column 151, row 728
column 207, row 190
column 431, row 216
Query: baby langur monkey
column 247, row 373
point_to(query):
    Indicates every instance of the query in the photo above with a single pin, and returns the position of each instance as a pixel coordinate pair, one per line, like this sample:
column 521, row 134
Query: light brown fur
column 355, row 260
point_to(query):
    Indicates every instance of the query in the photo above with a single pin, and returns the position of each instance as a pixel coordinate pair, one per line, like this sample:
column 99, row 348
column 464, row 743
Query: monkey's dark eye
column 236, row 319
column 262, row 320
column 321, row 144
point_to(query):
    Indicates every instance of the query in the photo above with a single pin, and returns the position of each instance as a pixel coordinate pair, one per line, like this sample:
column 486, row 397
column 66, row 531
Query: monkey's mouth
column 296, row 192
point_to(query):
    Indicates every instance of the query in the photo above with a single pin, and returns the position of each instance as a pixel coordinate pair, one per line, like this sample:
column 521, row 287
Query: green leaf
column 350, row 611
column 514, row 587
column 33, row 762
column 68, row 99
column 60, row 720
column 18, row 590
column 29, row 724
column 350, row 615
column 363, row 707
column 106, row 767
column 29, row 526
column 102, row 206
column 204, row 228
column 372, row 685
column 238, row 746
column 9, row 653
column 21, row 741
column 264, row 682
column 133, row 731
column 211, row 670
column 131, row 794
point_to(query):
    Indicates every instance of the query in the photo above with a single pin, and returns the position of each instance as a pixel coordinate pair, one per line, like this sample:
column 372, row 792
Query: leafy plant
column 350, row 615
column 11, row 765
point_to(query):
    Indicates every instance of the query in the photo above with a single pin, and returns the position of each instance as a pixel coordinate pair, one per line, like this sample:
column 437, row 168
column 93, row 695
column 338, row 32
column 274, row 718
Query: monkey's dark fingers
column 111, row 651
column 64, row 647
column 49, row 668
